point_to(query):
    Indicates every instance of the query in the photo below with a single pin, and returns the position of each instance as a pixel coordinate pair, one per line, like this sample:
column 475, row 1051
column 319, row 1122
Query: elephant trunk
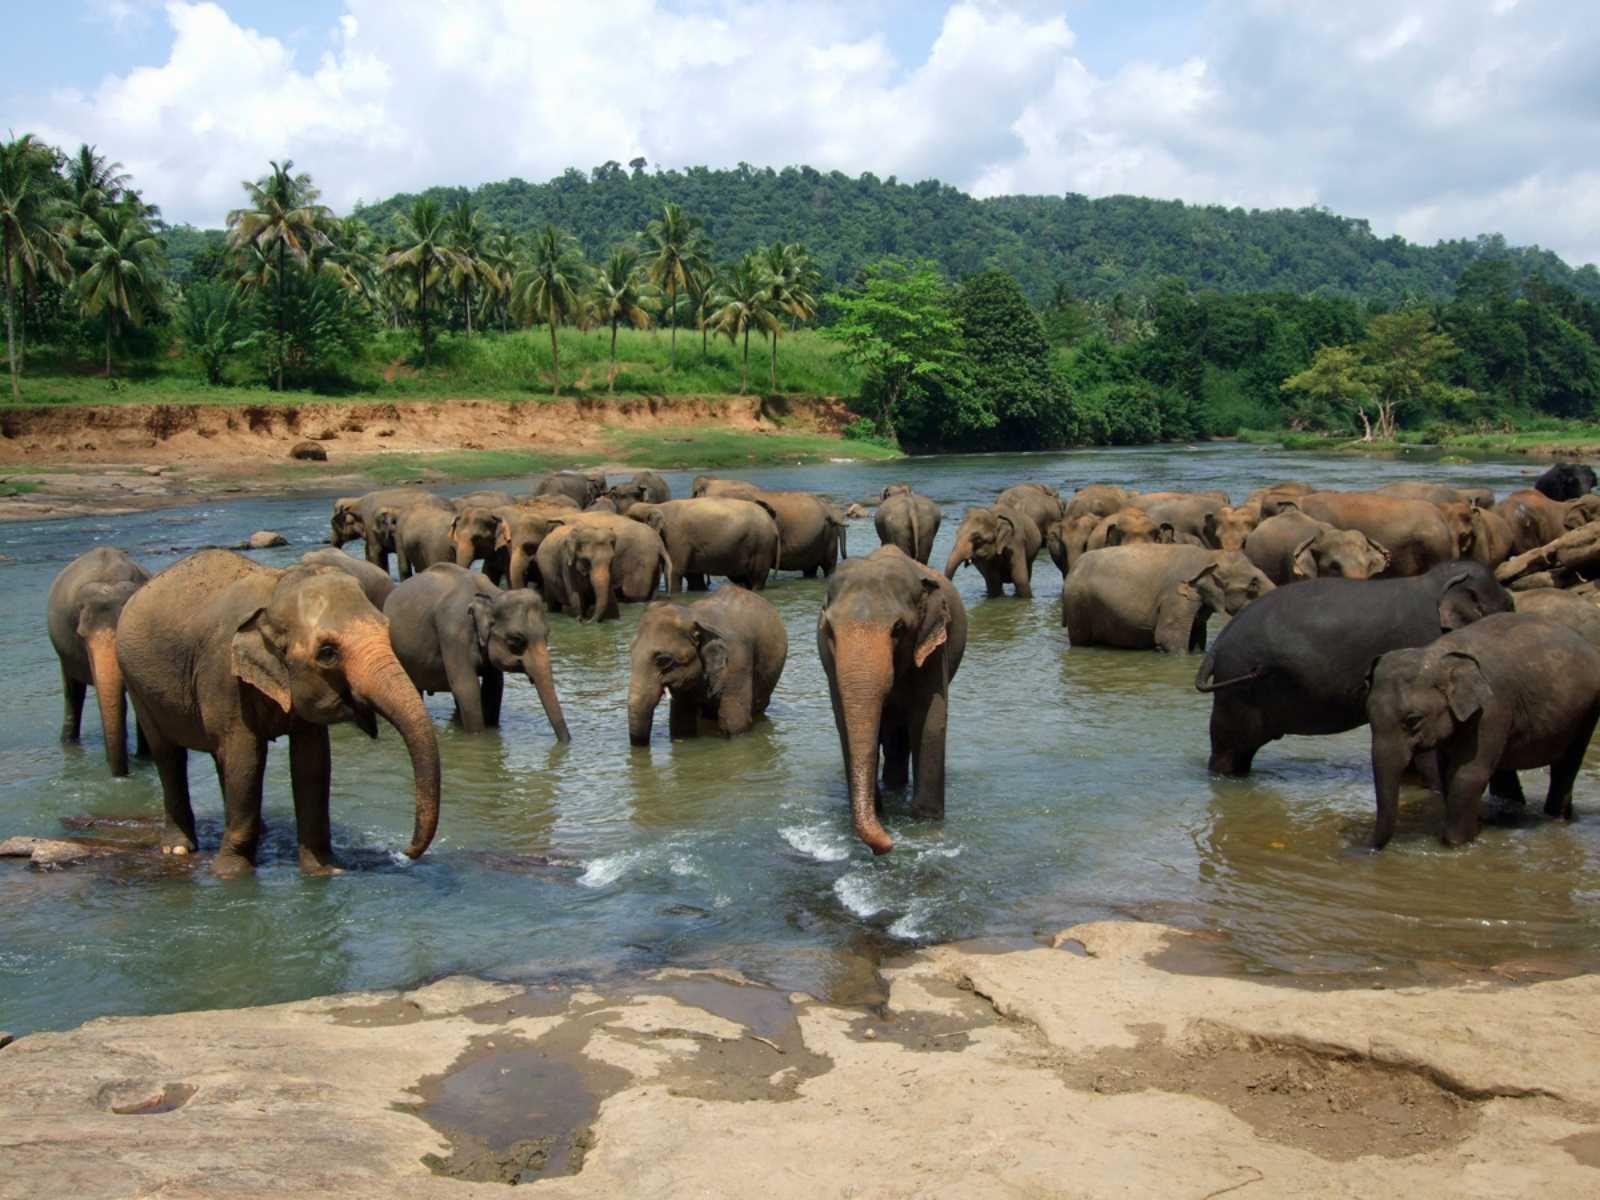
column 605, row 599
column 536, row 666
column 108, row 693
column 464, row 550
column 643, row 696
column 960, row 553
column 517, row 571
column 378, row 680
column 865, row 669
column 1391, row 754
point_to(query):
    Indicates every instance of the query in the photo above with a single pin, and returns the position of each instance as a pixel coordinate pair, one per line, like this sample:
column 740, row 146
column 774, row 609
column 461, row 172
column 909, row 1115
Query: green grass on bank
column 1538, row 437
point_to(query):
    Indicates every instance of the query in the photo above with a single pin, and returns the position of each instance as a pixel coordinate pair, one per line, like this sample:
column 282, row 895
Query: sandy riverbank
column 1087, row 1069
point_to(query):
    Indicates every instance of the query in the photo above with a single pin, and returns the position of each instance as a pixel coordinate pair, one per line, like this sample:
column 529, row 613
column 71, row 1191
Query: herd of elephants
column 1347, row 608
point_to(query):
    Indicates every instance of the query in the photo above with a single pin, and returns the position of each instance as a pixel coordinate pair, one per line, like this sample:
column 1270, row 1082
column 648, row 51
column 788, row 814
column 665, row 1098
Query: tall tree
column 790, row 281
column 284, row 222
column 32, row 242
column 1404, row 353
column 93, row 181
column 741, row 304
column 619, row 295
column 468, row 236
column 118, row 272
column 550, row 286
column 676, row 248
column 420, row 255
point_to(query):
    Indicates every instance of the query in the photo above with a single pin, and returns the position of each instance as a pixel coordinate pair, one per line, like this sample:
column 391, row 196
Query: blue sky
column 1431, row 118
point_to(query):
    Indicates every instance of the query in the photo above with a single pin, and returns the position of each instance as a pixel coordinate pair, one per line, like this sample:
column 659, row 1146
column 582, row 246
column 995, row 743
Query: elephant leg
column 493, row 692
column 1021, row 575
column 141, row 742
column 993, row 581
column 376, row 555
column 736, row 706
column 172, row 765
column 1236, row 735
column 809, row 572
column 73, row 694
column 683, row 716
column 1464, row 785
column 241, row 769
column 928, row 725
column 467, row 692
column 895, row 737
column 311, row 776
column 1503, row 785
column 1564, row 772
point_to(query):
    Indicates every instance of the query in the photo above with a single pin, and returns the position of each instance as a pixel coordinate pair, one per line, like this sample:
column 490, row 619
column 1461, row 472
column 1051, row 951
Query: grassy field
column 1538, row 438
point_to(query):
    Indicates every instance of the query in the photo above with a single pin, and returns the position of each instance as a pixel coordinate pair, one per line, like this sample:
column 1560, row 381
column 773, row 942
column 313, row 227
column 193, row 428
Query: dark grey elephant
column 1156, row 597
column 1566, row 481
column 1001, row 542
column 592, row 560
column 375, row 581
column 1291, row 547
column 715, row 535
column 1297, row 660
column 222, row 655
column 720, row 657
column 372, row 518
column 81, row 612
column 891, row 635
column 905, row 519
column 645, row 487
column 454, row 631
column 1508, row 693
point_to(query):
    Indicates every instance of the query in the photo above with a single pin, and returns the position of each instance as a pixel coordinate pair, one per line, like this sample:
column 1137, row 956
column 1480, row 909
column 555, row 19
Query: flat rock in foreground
column 1086, row 1070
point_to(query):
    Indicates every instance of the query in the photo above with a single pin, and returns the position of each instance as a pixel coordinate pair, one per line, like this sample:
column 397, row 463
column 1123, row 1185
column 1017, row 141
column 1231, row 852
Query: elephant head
column 1469, row 593
column 602, row 504
column 1457, row 515
column 526, row 529
column 513, row 632
column 1341, row 553
column 319, row 650
column 1227, row 527
column 671, row 651
column 587, row 556
column 1226, row 584
column 882, row 618
column 986, row 534
column 1068, row 538
column 386, row 523
column 1132, row 527
column 478, row 532
column 347, row 525
column 1580, row 512
column 894, row 489
column 99, row 606
column 625, row 495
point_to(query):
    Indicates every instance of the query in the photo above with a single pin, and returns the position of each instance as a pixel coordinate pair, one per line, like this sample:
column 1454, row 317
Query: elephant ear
column 1208, row 530
column 1113, row 534
column 1380, row 553
column 1167, row 534
column 1189, row 589
column 1302, row 562
column 1005, row 532
column 256, row 659
column 502, row 534
column 479, row 610
column 713, row 655
column 933, row 628
column 1465, row 689
column 1458, row 607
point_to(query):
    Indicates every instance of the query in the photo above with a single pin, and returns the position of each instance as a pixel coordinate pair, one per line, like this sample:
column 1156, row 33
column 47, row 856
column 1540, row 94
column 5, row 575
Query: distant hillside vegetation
column 1096, row 248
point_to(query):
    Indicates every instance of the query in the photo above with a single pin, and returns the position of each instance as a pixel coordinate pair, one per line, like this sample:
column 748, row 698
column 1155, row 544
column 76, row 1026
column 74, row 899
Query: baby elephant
column 454, row 631
column 1502, row 695
column 719, row 657
column 81, row 614
column 1002, row 543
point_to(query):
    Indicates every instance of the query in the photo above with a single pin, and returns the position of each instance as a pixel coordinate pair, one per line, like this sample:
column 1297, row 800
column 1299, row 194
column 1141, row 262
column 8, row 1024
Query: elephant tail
column 1205, row 682
column 916, row 534
column 664, row 565
column 844, row 534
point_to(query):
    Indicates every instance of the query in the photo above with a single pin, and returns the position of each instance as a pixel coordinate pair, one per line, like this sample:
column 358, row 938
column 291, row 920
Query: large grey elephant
column 891, row 635
column 527, row 525
column 1291, row 547
column 1097, row 500
column 1508, row 693
column 582, row 488
column 1068, row 538
column 1041, row 502
column 372, row 518
column 454, row 631
column 594, row 559
column 713, row 535
column 81, row 612
column 720, row 657
column 811, row 528
column 645, row 486
column 905, row 519
column 440, row 532
column 1156, row 596
column 1535, row 519
column 375, row 581
column 222, row 655
column 1414, row 532
column 1001, row 542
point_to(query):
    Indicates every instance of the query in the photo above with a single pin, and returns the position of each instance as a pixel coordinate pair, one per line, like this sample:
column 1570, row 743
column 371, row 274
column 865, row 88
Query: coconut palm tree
column 549, row 288
column 421, row 256
column 500, row 268
column 741, row 305
column 700, row 292
column 619, row 293
column 93, row 181
column 790, row 282
column 32, row 241
column 284, row 221
column 676, row 248
column 119, row 261
column 468, row 237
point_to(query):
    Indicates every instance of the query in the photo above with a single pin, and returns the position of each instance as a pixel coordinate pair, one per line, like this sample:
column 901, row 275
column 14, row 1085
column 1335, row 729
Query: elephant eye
column 327, row 654
column 1412, row 720
column 516, row 644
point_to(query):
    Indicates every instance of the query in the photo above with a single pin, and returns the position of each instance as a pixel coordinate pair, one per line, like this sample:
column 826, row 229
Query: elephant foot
column 175, row 841
column 319, row 862
column 1228, row 763
column 230, row 864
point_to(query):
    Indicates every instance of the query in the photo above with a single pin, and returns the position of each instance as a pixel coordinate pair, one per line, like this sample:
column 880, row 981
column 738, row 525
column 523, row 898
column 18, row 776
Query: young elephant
column 1155, row 597
column 1291, row 547
column 1068, row 538
column 434, row 531
column 527, row 526
column 1128, row 527
column 720, row 657
column 222, row 654
column 891, row 636
column 907, row 520
column 590, row 561
column 1002, row 543
column 455, row 631
column 371, row 518
column 645, row 487
column 1506, row 694
column 375, row 582
column 715, row 535
column 81, row 613
column 1040, row 501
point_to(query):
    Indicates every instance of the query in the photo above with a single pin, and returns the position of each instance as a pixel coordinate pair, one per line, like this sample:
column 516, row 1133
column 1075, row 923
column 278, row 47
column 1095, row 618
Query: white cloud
column 1436, row 118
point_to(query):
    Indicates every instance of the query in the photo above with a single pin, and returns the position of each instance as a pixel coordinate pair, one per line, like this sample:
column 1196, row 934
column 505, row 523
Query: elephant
column 590, row 561
column 1040, row 501
column 1097, row 500
column 358, row 517
column 1296, row 661
column 580, row 488
column 1457, row 516
column 1226, row 528
column 433, row 533
column 222, row 654
column 375, row 582
column 602, row 504
column 1535, row 519
column 710, row 485
column 1155, row 596
column 907, row 520
column 81, row 612
column 1493, row 539
column 891, row 636
column 1414, row 532
column 714, row 535
column 1437, row 493
column 1189, row 513
column 1274, row 498
column 1566, row 481
column 1291, row 547
column 454, row 631
column 419, row 516
column 489, row 499
column 1578, row 613
column 812, row 528
column 645, row 486
column 720, row 657
column 1508, row 693
column 1128, row 527
column 1002, row 543
column 1068, row 538
column 527, row 526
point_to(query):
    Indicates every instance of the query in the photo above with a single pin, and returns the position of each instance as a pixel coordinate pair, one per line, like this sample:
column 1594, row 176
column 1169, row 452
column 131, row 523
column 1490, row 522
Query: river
column 1077, row 789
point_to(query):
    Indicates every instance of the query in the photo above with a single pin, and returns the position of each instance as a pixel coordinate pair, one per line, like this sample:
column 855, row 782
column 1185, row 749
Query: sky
column 1430, row 118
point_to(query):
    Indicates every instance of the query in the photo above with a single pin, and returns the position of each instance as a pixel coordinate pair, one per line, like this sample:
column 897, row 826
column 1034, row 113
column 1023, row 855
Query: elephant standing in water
column 1155, row 596
column 222, row 654
column 1002, row 543
column 455, row 631
column 372, row 518
column 1508, row 693
column 375, row 582
column 907, row 520
column 715, row 536
column 891, row 635
column 1291, row 547
column 81, row 613
column 720, row 657
column 591, row 560
column 645, row 487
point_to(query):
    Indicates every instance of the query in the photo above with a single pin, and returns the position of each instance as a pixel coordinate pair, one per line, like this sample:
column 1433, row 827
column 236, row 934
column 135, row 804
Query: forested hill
column 1097, row 248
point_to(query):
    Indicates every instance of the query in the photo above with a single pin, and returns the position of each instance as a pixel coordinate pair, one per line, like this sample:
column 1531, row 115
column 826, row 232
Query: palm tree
column 284, row 222
column 118, row 276
column 741, row 305
column 619, row 295
column 351, row 257
column 469, row 243
column 700, row 292
column 676, row 249
column 93, row 181
column 421, row 255
column 499, row 268
column 790, row 282
column 31, row 239
column 549, row 287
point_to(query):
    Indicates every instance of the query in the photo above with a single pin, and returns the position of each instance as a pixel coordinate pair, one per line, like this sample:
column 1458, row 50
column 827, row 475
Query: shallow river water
column 1077, row 789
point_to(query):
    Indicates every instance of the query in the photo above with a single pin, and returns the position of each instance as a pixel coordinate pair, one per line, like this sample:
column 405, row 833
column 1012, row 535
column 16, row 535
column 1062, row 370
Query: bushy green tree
column 33, row 244
column 118, row 268
column 214, row 325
